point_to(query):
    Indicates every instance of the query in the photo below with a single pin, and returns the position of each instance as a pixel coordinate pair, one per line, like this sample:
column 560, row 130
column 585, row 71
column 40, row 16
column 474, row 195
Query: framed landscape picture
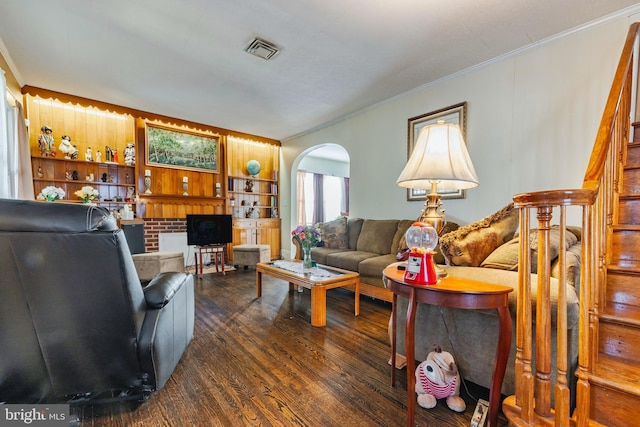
column 173, row 148
column 456, row 114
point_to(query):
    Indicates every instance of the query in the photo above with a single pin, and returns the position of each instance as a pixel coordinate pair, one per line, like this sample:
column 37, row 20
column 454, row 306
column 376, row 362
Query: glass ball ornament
column 421, row 236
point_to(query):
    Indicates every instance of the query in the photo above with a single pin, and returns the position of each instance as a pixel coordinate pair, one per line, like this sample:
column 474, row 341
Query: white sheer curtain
column 7, row 170
column 301, row 202
column 15, row 160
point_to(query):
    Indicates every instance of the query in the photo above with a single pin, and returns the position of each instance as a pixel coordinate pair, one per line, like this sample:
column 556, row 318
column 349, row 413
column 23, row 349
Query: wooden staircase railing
column 598, row 200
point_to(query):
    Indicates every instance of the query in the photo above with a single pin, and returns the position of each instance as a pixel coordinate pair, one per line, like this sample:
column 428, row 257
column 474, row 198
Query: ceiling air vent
column 262, row 48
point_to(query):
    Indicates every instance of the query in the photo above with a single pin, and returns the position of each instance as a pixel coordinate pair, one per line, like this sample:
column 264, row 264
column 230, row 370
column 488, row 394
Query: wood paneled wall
column 87, row 126
column 241, row 150
column 97, row 124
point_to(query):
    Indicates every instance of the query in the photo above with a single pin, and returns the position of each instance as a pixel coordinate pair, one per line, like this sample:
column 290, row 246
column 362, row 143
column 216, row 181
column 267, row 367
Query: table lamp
column 439, row 160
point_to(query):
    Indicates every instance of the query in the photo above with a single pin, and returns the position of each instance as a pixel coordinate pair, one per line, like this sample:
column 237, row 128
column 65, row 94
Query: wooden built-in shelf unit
column 97, row 125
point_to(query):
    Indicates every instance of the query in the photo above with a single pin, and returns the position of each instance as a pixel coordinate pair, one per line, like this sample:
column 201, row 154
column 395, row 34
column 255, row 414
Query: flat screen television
column 205, row 230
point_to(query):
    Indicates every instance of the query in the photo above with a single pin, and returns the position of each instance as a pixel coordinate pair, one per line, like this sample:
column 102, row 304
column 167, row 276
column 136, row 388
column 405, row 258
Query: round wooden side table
column 453, row 292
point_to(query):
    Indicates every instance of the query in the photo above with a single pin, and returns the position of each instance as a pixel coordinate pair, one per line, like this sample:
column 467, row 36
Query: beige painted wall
column 532, row 120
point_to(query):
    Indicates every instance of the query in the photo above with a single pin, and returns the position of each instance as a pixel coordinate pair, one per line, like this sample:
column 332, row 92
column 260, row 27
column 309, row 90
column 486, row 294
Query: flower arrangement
column 51, row 194
column 309, row 235
column 87, row 194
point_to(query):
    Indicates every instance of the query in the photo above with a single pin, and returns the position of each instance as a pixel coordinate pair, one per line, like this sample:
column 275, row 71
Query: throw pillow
column 506, row 256
column 554, row 243
column 377, row 235
column 334, row 233
column 471, row 244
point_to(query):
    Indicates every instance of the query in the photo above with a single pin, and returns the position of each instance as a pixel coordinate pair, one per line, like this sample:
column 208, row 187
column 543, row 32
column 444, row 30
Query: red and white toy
column 438, row 378
column 422, row 240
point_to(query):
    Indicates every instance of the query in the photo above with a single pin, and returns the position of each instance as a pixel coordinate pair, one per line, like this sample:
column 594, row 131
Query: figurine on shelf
column 248, row 187
column 74, row 153
column 67, row 176
column 45, row 142
column 130, row 193
column 40, row 173
column 108, row 154
column 114, row 156
column 88, row 156
column 74, row 175
column 98, row 156
column 130, row 154
column 65, row 147
column 105, row 177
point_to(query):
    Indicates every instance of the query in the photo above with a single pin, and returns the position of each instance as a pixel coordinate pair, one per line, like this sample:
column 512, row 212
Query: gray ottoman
column 250, row 255
column 150, row 264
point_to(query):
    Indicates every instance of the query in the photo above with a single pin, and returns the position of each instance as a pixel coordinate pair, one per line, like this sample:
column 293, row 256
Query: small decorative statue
column 45, row 142
column 108, row 154
column 248, row 187
column 66, row 147
column 438, row 378
column 74, row 175
column 98, row 156
column 40, row 173
column 130, row 154
column 114, row 155
column 74, row 153
column 105, row 177
column 88, row 156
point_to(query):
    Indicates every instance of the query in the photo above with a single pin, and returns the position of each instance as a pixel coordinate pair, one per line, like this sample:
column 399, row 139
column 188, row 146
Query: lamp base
column 433, row 214
column 441, row 272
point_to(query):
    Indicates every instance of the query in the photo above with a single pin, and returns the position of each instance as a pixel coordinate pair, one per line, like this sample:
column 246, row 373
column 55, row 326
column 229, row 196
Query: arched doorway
column 320, row 184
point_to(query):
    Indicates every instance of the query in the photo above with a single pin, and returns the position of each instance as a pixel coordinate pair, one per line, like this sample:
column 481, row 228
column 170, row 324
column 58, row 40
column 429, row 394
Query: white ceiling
column 185, row 59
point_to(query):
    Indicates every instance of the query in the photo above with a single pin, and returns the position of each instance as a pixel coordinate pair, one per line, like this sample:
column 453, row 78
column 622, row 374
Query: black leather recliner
column 75, row 322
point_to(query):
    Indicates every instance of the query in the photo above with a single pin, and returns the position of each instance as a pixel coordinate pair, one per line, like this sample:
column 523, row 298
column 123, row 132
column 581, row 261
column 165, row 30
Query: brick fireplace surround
column 154, row 226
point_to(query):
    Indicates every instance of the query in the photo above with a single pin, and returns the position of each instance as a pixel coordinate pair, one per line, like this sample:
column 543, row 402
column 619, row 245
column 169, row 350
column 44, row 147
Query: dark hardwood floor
column 259, row 362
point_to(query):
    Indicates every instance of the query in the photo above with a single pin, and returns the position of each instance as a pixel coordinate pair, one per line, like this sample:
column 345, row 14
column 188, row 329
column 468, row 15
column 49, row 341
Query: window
column 333, row 196
column 321, row 197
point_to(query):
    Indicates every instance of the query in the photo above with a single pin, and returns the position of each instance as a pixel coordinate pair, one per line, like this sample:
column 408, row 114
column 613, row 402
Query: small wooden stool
column 249, row 255
column 217, row 251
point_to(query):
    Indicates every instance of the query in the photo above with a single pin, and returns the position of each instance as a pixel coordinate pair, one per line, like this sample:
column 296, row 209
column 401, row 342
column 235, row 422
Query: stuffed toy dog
column 438, row 378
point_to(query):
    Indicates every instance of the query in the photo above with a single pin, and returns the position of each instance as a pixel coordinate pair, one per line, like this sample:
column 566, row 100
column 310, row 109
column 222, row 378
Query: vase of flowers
column 88, row 195
column 309, row 236
column 51, row 194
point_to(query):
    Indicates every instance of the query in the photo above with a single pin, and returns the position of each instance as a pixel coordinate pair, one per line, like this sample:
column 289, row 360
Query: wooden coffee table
column 317, row 279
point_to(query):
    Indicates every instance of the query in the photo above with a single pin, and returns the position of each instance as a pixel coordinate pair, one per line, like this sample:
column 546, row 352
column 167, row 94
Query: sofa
column 78, row 325
column 366, row 246
column 487, row 251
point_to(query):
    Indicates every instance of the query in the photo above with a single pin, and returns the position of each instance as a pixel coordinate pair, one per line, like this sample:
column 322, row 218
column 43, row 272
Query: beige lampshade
column 440, row 155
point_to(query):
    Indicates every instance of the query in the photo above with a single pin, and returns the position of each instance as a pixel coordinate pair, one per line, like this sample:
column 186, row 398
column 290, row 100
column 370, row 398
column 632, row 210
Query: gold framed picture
column 456, row 114
column 172, row 148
